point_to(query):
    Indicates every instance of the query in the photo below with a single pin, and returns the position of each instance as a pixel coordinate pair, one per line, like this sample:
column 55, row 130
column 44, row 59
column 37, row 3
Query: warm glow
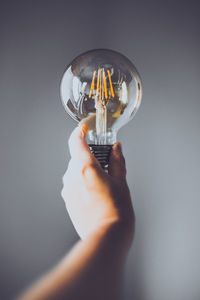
column 102, row 91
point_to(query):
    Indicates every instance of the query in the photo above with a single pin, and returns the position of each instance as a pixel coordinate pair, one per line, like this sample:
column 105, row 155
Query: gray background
column 161, row 144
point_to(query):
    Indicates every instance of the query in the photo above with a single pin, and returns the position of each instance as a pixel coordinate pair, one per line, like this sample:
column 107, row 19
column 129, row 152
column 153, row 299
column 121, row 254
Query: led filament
column 102, row 93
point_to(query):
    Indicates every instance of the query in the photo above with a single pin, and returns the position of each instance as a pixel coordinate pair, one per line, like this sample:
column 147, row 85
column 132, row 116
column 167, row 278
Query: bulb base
column 102, row 154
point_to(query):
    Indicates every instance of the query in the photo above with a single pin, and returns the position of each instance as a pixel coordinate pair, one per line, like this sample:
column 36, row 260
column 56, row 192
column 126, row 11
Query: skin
column 99, row 205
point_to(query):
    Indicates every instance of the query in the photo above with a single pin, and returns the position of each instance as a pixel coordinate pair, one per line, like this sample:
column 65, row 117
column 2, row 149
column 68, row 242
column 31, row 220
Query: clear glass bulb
column 102, row 89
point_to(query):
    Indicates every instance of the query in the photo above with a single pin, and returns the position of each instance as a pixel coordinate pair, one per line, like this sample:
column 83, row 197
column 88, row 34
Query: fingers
column 78, row 146
column 79, row 150
column 117, row 167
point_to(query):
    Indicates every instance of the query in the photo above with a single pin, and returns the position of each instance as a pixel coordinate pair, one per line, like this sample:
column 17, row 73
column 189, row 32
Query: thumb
column 78, row 146
column 117, row 167
column 82, row 158
column 79, row 149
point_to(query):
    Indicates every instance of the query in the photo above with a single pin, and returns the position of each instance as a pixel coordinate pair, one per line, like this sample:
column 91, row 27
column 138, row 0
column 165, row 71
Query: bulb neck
column 107, row 138
column 101, row 145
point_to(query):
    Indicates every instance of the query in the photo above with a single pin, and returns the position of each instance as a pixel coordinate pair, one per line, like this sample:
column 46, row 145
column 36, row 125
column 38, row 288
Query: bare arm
column 100, row 208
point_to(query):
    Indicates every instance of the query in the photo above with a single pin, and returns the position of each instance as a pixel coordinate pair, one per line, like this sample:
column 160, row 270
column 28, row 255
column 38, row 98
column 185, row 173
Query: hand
column 99, row 205
column 94, row 198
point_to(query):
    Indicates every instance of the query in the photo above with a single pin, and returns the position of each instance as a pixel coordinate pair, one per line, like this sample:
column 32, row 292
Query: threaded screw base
column 102, row 153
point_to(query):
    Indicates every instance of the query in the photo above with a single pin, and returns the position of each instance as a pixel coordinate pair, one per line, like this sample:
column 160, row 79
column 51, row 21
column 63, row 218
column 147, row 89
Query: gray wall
column 161, row 144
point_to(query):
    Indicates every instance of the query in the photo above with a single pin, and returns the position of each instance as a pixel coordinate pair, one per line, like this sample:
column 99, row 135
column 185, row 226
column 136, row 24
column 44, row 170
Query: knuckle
column 70, row 140
column 62, row 193
column 91, row 168
column 64, row 178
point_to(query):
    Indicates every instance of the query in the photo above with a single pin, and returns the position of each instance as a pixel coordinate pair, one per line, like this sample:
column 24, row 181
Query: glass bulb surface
column 102, row 89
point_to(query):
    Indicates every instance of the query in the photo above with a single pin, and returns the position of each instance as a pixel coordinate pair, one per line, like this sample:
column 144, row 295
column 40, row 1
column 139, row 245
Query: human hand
column 94, row 198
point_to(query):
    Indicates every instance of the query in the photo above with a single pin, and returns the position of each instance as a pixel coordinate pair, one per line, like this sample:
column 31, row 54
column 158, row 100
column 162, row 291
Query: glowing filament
column 111, row 87
column 102, row 89
column 105, row 85
column 92, row 84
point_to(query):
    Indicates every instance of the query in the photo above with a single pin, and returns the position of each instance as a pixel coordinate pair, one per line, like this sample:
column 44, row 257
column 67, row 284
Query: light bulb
column 102, row 89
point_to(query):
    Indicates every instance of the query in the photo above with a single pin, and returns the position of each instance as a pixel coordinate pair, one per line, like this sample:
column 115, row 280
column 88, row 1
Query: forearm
column 91, row 270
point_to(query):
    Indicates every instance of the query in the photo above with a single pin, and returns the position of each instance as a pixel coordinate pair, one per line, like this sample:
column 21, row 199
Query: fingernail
column 84, row 129
column 118, row 146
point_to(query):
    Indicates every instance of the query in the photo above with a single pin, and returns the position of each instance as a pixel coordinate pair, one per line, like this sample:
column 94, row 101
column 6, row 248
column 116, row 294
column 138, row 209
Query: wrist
column 116, row 235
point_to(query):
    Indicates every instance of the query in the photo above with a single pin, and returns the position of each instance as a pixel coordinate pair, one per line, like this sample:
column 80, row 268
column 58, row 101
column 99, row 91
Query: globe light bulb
column 102, row 89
